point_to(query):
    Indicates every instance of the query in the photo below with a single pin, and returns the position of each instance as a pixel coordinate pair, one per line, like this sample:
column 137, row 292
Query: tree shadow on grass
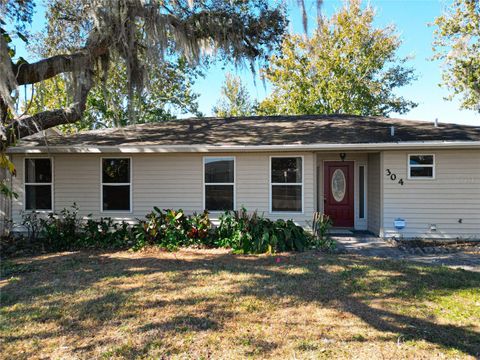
column 346, row 283
column 183, row 323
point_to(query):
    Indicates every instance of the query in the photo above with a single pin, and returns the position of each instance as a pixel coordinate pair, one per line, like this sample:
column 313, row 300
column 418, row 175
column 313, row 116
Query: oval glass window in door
column 338, row 185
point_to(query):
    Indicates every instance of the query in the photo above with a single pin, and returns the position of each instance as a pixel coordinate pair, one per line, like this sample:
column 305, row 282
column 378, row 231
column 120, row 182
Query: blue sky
column 411, row 18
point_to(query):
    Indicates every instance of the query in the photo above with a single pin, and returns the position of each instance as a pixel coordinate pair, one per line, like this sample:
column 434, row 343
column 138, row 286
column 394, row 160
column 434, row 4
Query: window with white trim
column 286, row 178
column 38, row 184
column 116, row 184
column 421, row 166
column 219, row 182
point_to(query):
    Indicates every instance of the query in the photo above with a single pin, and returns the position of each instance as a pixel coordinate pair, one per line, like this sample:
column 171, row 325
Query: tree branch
column 3, row 111
column 47, row 68
column 32, row 124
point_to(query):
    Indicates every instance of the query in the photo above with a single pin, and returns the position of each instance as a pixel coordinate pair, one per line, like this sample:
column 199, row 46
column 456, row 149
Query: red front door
column 338, row 192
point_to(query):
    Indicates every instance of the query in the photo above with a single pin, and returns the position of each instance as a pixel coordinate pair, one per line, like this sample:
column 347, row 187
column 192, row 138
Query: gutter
column 244, row 148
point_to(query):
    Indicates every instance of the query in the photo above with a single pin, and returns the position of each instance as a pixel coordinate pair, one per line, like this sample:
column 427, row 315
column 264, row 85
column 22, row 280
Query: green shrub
column 105, row 233
column 171, row 229
column 67, row 231
column 147, row 232
column 31, row 222
column 253, row 233
column 200, row 229
column 61, row 231
column 243, row 232
column 321, row 225
column 173, row 232
column 165, row 229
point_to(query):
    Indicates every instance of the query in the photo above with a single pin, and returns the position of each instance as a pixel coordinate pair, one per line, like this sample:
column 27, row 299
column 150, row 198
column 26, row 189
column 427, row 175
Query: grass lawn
column 212, row 304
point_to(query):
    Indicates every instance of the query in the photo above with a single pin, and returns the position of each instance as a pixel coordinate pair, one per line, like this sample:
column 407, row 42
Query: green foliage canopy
column 348, row 66
column 457, row 43
column 167, row 90
column 168, row 93
column 234, row 99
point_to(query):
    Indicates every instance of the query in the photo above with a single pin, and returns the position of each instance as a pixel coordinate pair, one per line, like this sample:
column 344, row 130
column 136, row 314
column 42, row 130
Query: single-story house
column 392, row 177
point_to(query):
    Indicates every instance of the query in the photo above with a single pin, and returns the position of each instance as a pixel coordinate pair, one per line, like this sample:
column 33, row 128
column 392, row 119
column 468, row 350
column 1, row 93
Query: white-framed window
column 116, row 184
column 286, row 184
column 38, row 184
column 421, row 166
column 219, row 183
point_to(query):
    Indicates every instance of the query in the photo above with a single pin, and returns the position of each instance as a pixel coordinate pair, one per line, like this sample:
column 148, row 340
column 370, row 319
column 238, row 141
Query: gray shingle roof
column 265, row 130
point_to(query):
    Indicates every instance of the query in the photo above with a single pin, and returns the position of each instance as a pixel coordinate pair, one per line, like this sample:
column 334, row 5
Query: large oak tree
column 140, row 32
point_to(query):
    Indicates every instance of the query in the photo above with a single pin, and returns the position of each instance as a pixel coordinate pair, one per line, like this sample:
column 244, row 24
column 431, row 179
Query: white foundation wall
column 449, row 203
column 165, row 180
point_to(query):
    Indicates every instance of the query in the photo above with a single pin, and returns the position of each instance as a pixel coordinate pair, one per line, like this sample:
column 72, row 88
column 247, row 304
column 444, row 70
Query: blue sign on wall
column 399, row 223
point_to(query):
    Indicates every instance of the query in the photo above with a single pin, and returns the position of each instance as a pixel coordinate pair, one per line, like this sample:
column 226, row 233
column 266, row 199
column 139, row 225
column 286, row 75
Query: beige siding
column 17, row 185
column 451, row 201
column 77, row 180
column 374, row 193
column 175, row 181
column 253, row 185
column 166, row 181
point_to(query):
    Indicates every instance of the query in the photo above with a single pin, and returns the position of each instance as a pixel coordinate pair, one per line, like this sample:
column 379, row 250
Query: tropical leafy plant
column 252, row 233
column 200, row 228
column 321, row 226
column 242, row 231
column 171, row 229
column 105, row 233
column 67, row 230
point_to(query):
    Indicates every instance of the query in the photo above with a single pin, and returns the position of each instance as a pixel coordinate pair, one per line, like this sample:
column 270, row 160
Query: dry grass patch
column 212, row 304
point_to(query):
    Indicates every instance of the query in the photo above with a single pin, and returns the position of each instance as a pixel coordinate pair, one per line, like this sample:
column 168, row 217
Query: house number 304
column 393, row 176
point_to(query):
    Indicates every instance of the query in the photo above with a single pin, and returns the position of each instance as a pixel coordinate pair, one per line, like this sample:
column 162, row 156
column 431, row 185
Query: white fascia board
column 246, row 148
